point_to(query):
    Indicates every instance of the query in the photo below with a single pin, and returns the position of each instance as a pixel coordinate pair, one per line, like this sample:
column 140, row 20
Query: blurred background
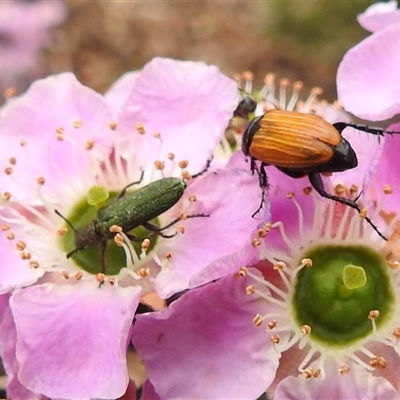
column 100, row 40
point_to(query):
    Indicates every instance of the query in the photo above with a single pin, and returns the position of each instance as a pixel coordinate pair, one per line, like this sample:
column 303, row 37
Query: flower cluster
column 299, row 302
column 62, row 143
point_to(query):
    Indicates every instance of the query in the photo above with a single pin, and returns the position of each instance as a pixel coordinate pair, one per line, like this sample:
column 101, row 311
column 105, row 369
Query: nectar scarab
column 301, row 144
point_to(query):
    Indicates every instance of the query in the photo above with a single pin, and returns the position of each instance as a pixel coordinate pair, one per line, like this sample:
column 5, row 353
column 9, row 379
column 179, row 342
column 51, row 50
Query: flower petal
column 119, row 92
column 8, row 339
column 379, row 16
column 217, row 242
column 368, row 83
column 16, row 272
column 55, row 108
column 79, row 348
column 189, row 103
column 203, row 340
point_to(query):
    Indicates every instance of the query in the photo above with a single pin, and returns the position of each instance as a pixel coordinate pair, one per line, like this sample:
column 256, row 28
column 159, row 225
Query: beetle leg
column 103, row 245
column 205, row 168
column 318, row 185
column 263, row 182
column 156, row 230
column 123, row 191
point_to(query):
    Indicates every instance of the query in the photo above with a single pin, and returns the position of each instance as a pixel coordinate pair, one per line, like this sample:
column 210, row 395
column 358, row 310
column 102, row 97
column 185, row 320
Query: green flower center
column 90, row 258
column 335, row 296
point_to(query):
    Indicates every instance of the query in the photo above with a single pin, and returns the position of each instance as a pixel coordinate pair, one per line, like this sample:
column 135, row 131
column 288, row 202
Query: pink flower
column 25, row 29
column 367, row 79
column 66, row 322
column 323, row 319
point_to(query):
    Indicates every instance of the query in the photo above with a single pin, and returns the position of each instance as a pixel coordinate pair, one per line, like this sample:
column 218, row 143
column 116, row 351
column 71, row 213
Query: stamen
column 344, row 369
column 300, row 214
column 295, row 96
column 78, row 275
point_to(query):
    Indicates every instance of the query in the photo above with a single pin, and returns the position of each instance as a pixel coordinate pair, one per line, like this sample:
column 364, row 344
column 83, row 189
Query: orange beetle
column 301, row 144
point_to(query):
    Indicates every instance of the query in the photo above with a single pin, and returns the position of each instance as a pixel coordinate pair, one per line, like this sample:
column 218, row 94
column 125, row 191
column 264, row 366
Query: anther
column 305, row 330
column 115, row 228
column 344, row 369
column 297, row 86
column 118, row 239
column 307, row 262
column 89, row 145
column 168, row 256
column 316, row 91
column 111, row 281
column 311, row 373
column 145, row 244
column 363, row 212
column 396, row 333
column 275, row 339
column 40, row 180
column 258, row 320
column 5, row 227
column 171, row 156
column 10, row 236
column 393, row 264
column 250, row 289
column 387, row 189
column 140, row 128
column 192, row 198
column 6, row 195
column 183, row 164
column 23, row 143
column 12, row 160
column 272, row 324
column 21, row 246
column 353, row 189
column 378, row 362
column 290, row 195
column 62, row 231
column 78, row 275
column 183, row 217
column 64, row 274
column 284, row 82
column 112, row 125
column 279, row 266
column 307, row 190
column 8, row 170
column 25, row 255
column 247, row 75
column 60, row 130
column 159, row 165
column 180, row 229
column 255, row 242
column 10, row 92
column 34, row 264
column 373, row 314
column 60, row 137
column 143, row 272
column 242, row 271
column 157, row 135
column 186, row 175
column 261, row 233
column 77, row 124
column 100, row 277
column 340, row 190
column 269, row 79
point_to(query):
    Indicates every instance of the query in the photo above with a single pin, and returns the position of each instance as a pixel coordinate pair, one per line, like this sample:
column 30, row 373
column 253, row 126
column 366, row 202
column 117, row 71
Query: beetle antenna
column 69, row 223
